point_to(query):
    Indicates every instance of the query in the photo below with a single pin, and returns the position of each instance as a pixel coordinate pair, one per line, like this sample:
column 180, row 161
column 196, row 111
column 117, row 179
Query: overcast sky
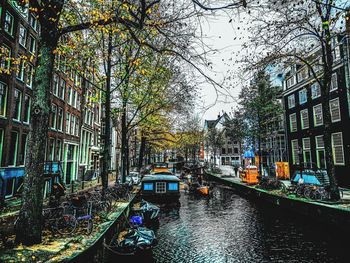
column 227, row 36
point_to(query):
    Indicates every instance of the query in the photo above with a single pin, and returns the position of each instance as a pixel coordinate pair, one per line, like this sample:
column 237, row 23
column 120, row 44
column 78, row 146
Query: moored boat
column 160, row 188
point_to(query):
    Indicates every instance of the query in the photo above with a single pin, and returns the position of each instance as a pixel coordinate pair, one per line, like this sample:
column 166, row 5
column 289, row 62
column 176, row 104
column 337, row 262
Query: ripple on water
column 228, row 229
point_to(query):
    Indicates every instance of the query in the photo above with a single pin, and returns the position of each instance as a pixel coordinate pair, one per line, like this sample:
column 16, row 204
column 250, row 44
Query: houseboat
column 160, row 187
column 160, row 167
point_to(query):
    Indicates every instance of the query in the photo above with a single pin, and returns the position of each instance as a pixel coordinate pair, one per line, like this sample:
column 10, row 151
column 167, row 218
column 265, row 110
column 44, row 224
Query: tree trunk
column 327, row 77
column 142, row 151
column 29, row 224
column 106, row 157
column 123, row 143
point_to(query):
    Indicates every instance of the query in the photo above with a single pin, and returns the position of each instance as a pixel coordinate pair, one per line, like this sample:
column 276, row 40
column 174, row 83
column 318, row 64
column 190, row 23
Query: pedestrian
column 200, row 180
column 236, row 170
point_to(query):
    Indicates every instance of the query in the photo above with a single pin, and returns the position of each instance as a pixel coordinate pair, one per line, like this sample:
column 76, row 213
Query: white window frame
column 318, row 94
column 301, row 93
column 332, row 88
column 295, row 154
column 291, row 101
column 12, row 21
column 331, row 112
column 159, row 187
column 290, row 122
column 22, row 39
column 319, row 148
column 341, row 146
column 303, row 126
column 314, row 114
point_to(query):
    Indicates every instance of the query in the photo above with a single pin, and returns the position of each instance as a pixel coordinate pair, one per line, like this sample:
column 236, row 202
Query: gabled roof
column 212, row 123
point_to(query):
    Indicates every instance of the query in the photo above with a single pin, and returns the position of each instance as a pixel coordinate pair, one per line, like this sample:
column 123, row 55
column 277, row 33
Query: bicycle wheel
column 66, row 224
column 300, row 191
column 316, row 195
column 308, row 193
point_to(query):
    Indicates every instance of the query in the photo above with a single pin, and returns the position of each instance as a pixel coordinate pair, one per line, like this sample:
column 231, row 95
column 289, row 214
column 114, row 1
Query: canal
column 230, row 228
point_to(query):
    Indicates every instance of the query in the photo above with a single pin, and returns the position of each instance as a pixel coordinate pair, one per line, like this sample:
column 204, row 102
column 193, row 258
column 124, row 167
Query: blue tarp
column 308, row 178
column 249, row 154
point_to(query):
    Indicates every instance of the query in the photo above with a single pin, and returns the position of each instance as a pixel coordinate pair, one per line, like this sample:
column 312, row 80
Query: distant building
column 230, row 152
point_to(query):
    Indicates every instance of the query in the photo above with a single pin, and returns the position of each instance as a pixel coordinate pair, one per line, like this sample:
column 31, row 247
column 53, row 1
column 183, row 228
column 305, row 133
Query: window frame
column 6, row 23
column 333, row 148
column 330, row 109
column 314, row 114
column 303, row 127
column 5, row 100
column 290, row 122
column 290, row 106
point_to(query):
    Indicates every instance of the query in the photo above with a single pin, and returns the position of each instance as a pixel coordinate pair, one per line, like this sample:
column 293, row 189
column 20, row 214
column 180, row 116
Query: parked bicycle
column 74, row 217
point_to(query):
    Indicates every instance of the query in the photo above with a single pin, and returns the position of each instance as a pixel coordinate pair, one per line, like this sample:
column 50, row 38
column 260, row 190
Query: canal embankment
column 76, row 247
column 333, row 214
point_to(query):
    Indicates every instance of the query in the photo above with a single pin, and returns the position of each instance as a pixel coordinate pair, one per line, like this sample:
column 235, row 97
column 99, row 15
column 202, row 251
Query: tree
column 260, row 106
column 215, row 140
column 306, row 32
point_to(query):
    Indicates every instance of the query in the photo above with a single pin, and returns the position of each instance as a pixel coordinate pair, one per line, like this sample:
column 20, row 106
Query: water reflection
column 229, row 228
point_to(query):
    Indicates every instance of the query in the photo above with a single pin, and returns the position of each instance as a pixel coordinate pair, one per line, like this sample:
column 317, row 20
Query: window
column 148, row 186
column 51, row 149
column 307, row 150
column 303, row 74
column 235, row 150
column 160, row 187
column 5, row 59
column 76, row 129
column 229, row 150
column 58, row 150
column 53, row 116
column 74, row 98
column 337, row 148
column 27, row 101
column 293, row 122
column 291, row 101
column 315, row 91
column 13, row 149
column 304, row 116
column 320, row 152
column 20, row 70
column 334, row 82
column 30, row 72
column 223, row 151
column 173, row 186
column 335, row 110
column 62, row 89
column 69, row 95
column 295, row 151
column 67, row 122
column 3, row 99
column 60, row 119
column 17, row 100
column 290, row 82
column 22, row 36
column 33, row 22
column 318, row 115
column 8, row 26
column 55, row 85
column 10, row 187
column 71, row 130
column 32, row 44
column 22, row 155
column 302, row 96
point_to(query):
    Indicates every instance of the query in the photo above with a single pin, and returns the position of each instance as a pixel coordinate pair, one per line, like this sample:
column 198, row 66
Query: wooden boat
column 202, row 189
column 160, row 188
column 147, row 211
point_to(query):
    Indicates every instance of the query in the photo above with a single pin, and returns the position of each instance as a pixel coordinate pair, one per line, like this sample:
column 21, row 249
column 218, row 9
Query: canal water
column 229, row 228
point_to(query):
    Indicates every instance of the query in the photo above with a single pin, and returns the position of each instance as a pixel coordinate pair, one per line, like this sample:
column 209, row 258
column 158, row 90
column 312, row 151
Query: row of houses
column 298, row 137
column 76, row 112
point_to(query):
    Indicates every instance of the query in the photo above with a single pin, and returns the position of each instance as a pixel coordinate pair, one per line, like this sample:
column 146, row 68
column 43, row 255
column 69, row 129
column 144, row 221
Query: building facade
column 304, row 115
column 75, row 119
column 230, row 151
